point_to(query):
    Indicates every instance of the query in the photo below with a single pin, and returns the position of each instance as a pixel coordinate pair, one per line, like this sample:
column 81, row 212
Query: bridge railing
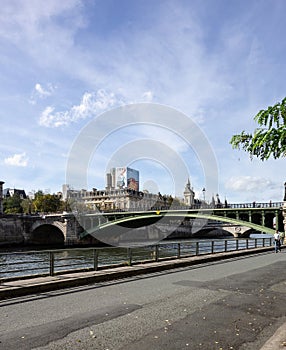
column 19, row 265
column 253, row 205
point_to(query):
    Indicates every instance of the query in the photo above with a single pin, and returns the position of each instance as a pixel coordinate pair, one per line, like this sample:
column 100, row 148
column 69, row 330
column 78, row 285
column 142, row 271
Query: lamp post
column 1, row 196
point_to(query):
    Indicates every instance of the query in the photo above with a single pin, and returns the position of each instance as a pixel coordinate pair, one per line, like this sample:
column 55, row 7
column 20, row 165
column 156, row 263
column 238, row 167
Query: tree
column 47, row 203
column 12, row 205
column 269, row 139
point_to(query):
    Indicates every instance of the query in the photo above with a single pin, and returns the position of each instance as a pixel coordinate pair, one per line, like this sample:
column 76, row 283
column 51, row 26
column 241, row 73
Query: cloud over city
column 18, row 160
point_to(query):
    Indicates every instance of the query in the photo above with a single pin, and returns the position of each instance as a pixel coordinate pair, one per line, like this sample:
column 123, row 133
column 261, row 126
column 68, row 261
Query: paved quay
column 233, row 300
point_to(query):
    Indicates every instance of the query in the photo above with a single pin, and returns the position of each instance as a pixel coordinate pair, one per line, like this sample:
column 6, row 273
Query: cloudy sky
column 66, row 63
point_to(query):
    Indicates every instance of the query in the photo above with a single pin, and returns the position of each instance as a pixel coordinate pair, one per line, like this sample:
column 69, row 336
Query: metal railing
column 27, row 264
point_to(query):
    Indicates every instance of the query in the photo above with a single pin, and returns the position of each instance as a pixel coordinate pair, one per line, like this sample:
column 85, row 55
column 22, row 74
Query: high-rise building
column 123, row 178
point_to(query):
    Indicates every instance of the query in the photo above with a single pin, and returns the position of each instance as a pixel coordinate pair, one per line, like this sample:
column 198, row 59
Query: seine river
column 23, row 262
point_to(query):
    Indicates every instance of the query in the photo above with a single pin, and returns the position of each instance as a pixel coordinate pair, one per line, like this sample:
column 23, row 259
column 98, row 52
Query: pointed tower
column 189, row 194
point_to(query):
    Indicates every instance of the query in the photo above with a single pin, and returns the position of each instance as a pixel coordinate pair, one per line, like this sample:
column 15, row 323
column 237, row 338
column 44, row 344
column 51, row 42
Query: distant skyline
column 64, row 63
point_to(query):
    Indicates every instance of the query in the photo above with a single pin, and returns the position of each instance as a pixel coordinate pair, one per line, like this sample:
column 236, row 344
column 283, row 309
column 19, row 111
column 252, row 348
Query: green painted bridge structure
column 238, row 219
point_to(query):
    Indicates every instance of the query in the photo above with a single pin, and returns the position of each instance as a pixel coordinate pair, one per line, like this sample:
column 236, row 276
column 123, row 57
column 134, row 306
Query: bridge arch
column 46, row 234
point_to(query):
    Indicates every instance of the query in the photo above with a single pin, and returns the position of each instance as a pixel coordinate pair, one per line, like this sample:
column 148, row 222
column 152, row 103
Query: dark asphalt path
column 232, row 304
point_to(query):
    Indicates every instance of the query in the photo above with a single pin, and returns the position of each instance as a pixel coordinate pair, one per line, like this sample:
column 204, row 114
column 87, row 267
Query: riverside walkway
column 231, row 300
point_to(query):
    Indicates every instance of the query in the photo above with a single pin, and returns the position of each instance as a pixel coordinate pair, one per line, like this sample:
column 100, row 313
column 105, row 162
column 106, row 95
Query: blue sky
column 64, row 63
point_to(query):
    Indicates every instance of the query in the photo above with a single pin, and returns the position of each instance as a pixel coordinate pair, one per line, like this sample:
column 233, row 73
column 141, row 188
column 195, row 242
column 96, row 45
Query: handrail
column 18, row 265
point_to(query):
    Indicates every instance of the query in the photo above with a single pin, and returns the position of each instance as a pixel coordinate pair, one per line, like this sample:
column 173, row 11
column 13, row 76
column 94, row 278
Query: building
column 10, row 192
column 122, row 177
column 122, row 199
column 189, row 195
column 121, row 193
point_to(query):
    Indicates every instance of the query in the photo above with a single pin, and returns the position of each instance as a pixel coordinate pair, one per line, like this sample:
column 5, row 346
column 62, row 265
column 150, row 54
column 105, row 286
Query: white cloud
column 148, row 96
column 91, row 104
column 249, row 184
column 41, row 92
column 18, row 159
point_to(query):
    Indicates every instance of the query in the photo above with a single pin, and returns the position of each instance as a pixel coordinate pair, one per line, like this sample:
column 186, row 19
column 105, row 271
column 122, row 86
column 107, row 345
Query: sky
column 64, row 65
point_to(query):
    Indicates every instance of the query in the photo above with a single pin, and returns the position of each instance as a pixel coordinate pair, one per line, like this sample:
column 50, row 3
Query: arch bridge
column 238, row 220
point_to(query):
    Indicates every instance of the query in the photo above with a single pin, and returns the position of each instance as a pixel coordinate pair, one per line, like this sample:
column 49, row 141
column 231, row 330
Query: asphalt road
column 231, row 304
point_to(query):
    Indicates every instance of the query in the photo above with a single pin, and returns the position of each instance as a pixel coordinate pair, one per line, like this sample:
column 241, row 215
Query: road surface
column 230, row 304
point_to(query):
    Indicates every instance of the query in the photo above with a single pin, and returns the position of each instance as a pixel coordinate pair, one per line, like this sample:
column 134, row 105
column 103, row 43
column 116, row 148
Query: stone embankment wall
column 11, row 230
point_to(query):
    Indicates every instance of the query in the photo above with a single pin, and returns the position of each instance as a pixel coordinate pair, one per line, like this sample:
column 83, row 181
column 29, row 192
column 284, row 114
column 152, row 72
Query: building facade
column 123, row 199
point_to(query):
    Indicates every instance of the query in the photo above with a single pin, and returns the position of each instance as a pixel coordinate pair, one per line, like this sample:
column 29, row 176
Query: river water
column 21, row 263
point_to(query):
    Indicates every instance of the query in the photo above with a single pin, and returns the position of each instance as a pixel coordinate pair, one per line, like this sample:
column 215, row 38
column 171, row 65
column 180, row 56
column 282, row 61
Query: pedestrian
column 277, row 241
column 282, row 237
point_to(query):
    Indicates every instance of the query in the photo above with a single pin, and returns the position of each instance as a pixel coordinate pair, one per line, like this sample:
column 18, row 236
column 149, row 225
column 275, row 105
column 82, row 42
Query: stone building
column 123, row 199
column 189, row 195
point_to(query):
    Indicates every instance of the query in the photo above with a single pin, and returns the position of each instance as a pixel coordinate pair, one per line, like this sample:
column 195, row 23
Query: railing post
column 263, row 242
column 52, row 263
column 212, row 247
column 95, row 259
column 236, row 244
column 246, row 243
column 129, row 251
column 197, row 248
column 255, row 242
column 225, row 245
column 156, row 252
column 179, row 251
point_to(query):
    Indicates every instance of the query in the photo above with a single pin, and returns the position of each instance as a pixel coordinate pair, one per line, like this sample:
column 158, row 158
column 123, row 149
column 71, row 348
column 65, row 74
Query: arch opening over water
column 47, row 234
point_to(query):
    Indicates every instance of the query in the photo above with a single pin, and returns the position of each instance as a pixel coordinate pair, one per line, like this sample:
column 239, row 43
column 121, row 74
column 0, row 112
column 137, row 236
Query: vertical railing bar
column 236, row 244
column 129, row 256
column 197, row 248
column 179, row 251
column 156, row 252
column 52, row 263
column 225, row 245
column 95, row 259
column 212, row 249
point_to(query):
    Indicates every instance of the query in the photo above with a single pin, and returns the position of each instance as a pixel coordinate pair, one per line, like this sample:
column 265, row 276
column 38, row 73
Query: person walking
column 282, row 237
column 277, row 241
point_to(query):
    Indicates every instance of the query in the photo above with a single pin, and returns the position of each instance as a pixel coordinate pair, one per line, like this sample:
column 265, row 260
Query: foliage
column 44, row 203
column 269, row 139
column 12, row 205
column 47, row 203
column 28, row 206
